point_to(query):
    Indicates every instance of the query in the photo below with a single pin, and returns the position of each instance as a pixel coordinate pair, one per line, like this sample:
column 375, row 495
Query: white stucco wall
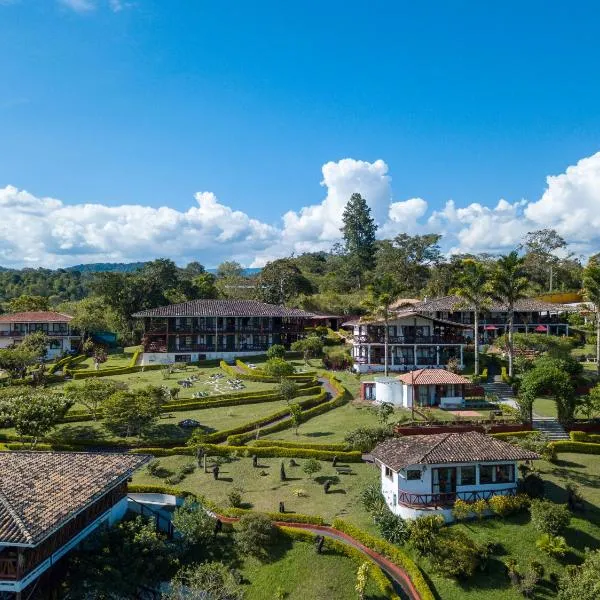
column 166, row 358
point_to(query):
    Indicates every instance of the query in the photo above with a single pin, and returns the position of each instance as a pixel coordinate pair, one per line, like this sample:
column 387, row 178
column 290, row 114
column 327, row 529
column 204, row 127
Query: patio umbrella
column 490, row 328
column 541, row 328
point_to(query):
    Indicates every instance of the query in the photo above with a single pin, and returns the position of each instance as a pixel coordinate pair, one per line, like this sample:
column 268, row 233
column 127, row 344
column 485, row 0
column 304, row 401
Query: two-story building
column 62, row 338
column 425, row 474
column 218, row 329
column 414, row 340
column 49, row 503
column 530, row 316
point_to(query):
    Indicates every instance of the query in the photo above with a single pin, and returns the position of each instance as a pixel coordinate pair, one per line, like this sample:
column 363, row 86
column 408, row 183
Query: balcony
column 448, row 499
column 18, row 333
column 409, row 340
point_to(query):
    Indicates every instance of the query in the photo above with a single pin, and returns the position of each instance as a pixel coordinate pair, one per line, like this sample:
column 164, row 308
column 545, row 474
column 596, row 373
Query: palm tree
column 508, row 285
column 474, row 291
column 382, row 293
column 591, row 291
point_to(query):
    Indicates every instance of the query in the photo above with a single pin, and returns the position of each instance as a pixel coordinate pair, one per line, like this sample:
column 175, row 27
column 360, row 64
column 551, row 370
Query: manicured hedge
column 156, row 489
column 582, row 436
column 518, row 434
column 393, row 553
column 577, row 447
column 277, row 451
column 260, row 372
column 66, row 362
column 250, row 375
column 21, row 446
column 112, row 371
column 155, row 451
column 305, row 446
column 375, row 572
column 276, row 516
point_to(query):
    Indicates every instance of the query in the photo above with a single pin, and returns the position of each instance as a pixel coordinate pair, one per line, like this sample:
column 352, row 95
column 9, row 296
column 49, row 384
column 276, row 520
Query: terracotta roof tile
column 224, row 308
column 39, row 491
column 445, row 448
column 432, row 377
column 450, row 303
column 40, row 316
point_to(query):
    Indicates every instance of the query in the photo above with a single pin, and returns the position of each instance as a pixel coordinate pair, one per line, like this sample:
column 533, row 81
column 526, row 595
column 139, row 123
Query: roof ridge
column 446, row 436
column 15, row 516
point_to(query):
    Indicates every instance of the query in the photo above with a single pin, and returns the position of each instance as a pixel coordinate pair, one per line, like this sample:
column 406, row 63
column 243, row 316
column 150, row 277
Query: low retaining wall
column 586, row 427
column 431, row 429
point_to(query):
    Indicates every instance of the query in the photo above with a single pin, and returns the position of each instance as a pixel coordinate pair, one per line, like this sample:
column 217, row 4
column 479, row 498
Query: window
column 486, row 473
column 504, row 473
column 389, row 473
column 467, row 475
column 412, row 474
column 183, row 358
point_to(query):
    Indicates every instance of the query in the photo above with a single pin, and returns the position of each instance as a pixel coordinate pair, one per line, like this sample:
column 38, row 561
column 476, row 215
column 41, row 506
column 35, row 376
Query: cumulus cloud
column 43, row 231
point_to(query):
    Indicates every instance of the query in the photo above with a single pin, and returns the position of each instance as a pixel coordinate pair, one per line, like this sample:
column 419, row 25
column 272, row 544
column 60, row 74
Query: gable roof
column 445, row 448
column 449, row 303
column 224, row 308
column 403, row 314
column 41, row 491
column 38, row 316
column 432, row 377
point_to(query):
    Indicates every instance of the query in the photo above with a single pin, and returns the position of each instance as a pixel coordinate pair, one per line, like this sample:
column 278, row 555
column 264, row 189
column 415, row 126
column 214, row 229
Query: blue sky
column 145, row 102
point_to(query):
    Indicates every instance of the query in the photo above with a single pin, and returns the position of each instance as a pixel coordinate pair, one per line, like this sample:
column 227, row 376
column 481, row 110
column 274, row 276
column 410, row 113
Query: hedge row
column 393, row 553
column 112, row 371
column 220, row 436
column 250, row 375
column 509, row 434
column 275, row 516
column 582, row 436
column 577, row 447
column 22, row 446
column 278, row 451
column 66, row 362
column 305, row 446
column 175, row 451
column 247, row 370
column 375, row 572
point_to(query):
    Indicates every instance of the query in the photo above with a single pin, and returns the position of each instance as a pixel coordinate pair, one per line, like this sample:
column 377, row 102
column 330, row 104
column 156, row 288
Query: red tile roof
column 432, row 377
column 224, row 308
column 447, row 448
column 40, row 491
column 40, row 316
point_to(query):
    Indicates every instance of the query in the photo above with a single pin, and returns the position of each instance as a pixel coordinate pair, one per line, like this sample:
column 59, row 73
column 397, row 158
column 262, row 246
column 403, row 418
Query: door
column 444, row 480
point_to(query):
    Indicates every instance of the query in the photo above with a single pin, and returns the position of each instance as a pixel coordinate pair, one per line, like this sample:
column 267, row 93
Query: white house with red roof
column 421, row 387
column 425, row 474
column 15, row 326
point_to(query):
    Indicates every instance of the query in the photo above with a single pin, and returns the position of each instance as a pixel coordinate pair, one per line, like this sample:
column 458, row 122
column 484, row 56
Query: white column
column 437, row 355
column 415, row 355
column 369, row 354
column 461, row 356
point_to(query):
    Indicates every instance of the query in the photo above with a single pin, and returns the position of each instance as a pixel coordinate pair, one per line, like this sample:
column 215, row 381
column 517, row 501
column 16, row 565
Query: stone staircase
column 500, row 389
column 550, row 428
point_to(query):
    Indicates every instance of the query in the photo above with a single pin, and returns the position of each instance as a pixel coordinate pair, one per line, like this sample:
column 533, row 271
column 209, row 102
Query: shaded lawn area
column 545, row 407
column 331, row 427
column 211, row 419
column 517, row 536
column 262, row 489
column 302, row 574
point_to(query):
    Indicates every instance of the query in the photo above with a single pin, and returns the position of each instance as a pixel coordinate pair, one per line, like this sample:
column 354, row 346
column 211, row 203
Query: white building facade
column 420, row 475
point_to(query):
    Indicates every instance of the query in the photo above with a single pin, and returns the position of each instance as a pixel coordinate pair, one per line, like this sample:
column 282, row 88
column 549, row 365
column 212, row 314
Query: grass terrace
column 262, row 489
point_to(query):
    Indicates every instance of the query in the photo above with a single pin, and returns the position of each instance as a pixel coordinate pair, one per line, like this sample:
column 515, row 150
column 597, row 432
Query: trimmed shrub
column 254, row 534
column 276, row 351
column 461, row 510
column 508, row 505
column 479, row 508
column 298, row 445
column 577, row 447
column 234, row 497
column 456, row 554
column 553, row 545
column 423, row 533
column 548, row 517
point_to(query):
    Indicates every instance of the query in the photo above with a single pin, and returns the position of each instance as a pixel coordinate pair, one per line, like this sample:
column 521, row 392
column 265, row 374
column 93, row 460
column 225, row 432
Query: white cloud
column 80, row 6
column 43, row 231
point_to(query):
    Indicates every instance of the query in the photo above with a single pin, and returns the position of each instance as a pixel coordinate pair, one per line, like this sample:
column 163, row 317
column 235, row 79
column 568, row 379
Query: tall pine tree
column 359, row 236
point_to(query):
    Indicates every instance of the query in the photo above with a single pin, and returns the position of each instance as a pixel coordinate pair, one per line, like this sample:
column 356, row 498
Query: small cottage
column 425, row 474
column 424, row 387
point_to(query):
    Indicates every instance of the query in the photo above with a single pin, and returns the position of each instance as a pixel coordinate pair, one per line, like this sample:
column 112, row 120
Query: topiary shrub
column 553, row 545
column 254, row 535
column 548, row 517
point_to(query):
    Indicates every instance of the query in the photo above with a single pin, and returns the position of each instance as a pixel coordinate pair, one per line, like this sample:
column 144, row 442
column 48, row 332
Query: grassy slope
column 302, row 575
column 263, row 493
column 518, row 536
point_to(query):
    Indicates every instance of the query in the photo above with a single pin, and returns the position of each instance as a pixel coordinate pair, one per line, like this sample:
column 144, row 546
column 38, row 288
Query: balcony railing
column 448, row 499
column 409, row 339
column 19, row 333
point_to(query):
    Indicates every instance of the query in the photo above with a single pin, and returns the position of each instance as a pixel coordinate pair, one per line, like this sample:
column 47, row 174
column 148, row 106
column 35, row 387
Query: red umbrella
column 541, row 328
column 490, row 328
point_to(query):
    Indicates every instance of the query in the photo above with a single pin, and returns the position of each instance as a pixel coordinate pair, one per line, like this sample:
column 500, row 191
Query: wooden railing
column 8, row 567
column 448, row 499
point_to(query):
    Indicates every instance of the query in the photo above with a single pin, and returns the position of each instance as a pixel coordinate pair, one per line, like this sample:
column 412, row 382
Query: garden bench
column 343, row 470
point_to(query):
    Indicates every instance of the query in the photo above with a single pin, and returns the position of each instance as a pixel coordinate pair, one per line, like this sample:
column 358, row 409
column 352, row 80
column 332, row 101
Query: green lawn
column 332, row 426
column 545, row 407
column 262, row 489
column 302, row 574
column 517, row 536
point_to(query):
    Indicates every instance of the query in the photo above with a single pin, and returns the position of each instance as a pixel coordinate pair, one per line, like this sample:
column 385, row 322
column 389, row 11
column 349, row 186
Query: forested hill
column 107, row 267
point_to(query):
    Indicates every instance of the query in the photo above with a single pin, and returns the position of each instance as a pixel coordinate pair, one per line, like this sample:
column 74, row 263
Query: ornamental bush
column 276, row 351
column 461, row 510
column 254, row 535
column 234, row 498
column 391, row 527
column 372, row 500
column 508, row 505
column 423, row 533
column 278, row 367
column 548, row 517
column 456, row 554
column 553, row 545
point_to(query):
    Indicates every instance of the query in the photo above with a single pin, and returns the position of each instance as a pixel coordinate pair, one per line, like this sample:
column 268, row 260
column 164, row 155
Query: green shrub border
column 583, row 436
column 302, row 445
column 393, row 553
column 576, row 447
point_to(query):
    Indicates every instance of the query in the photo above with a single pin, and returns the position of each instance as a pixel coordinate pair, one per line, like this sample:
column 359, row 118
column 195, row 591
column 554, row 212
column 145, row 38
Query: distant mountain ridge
column 121, row 268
